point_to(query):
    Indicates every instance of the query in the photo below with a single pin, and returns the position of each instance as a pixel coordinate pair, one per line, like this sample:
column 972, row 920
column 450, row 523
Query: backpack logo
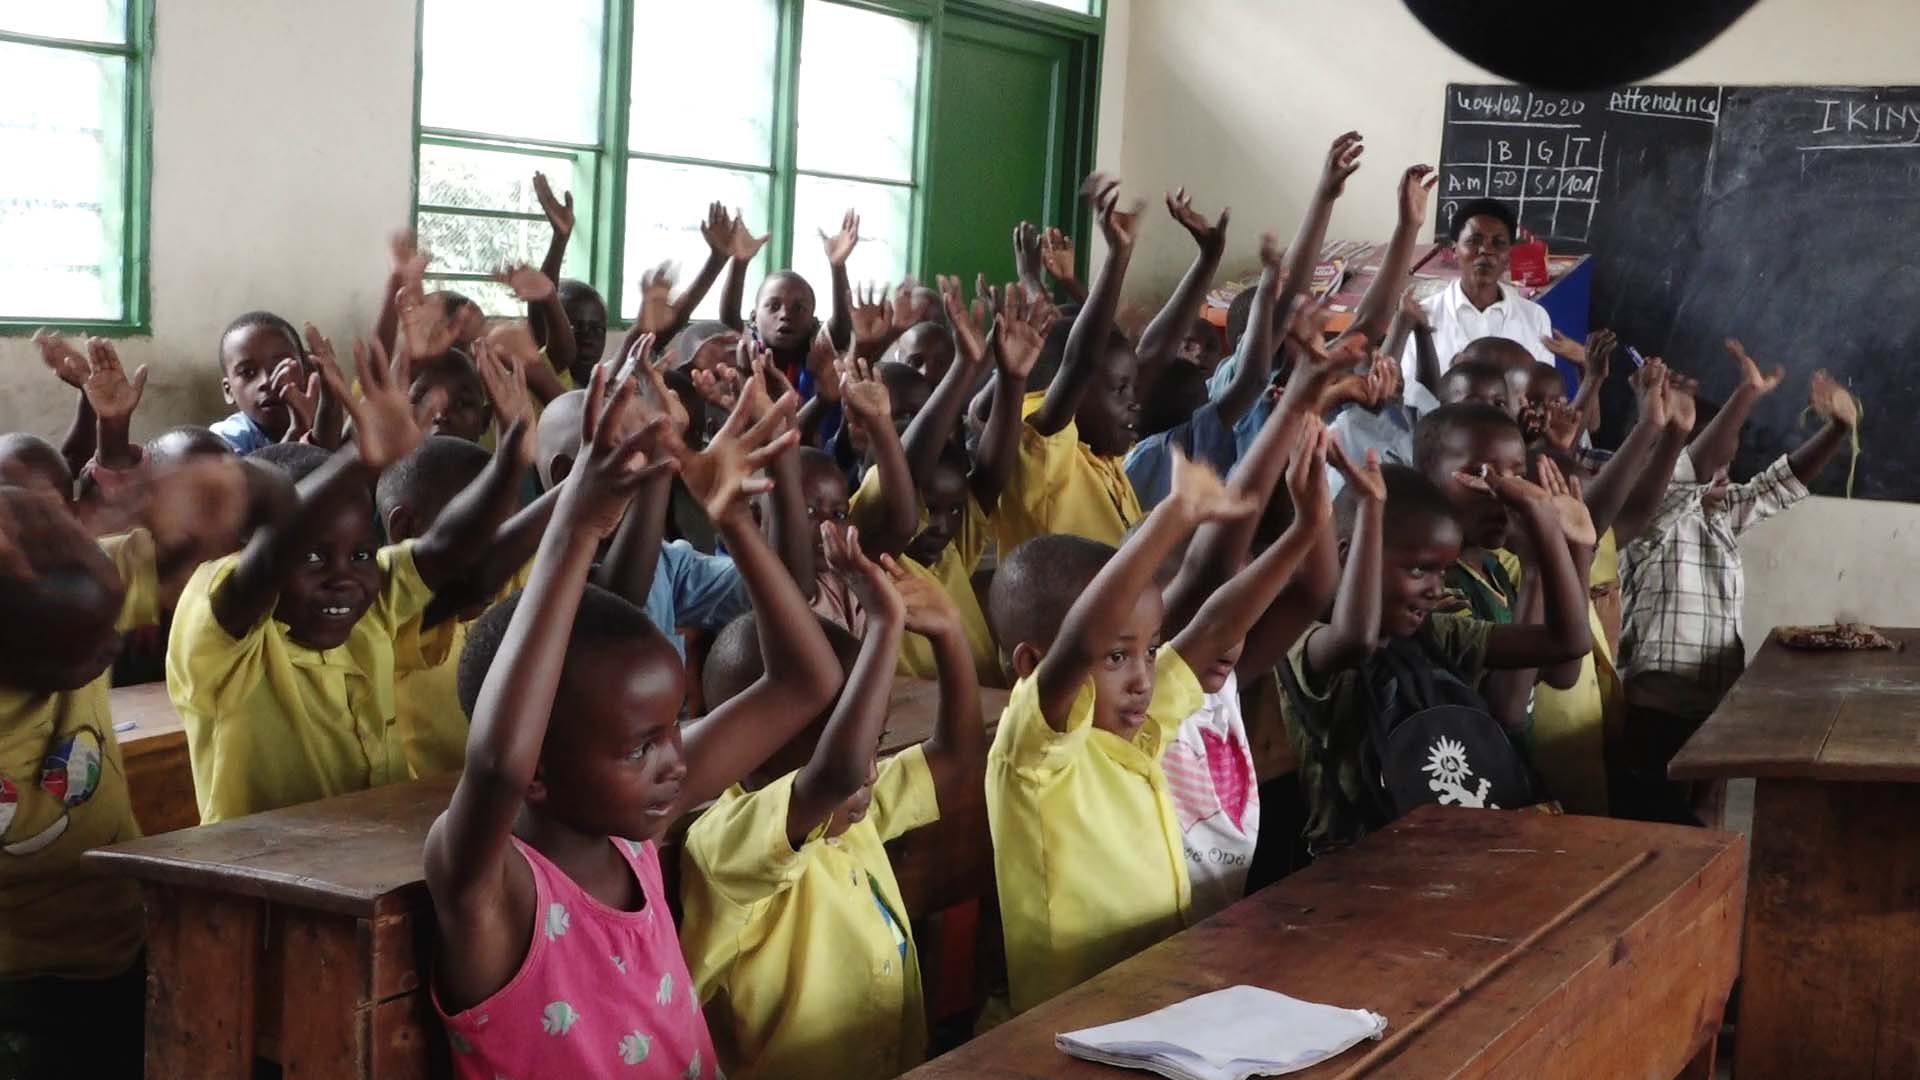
column 1450, row 773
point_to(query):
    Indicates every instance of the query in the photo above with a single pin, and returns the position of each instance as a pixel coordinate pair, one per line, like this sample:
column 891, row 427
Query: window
column 73, row 108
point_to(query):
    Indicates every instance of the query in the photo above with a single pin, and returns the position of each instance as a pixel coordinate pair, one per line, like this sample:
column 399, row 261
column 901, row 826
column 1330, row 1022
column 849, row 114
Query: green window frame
column 126, row 264
column 597, row 252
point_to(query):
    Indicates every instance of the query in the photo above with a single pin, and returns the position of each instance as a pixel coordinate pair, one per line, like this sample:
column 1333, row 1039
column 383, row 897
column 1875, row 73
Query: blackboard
column 1781, row 215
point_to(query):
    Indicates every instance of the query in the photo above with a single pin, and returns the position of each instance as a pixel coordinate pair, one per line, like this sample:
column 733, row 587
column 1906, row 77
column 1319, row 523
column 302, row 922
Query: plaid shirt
column 1682, row 582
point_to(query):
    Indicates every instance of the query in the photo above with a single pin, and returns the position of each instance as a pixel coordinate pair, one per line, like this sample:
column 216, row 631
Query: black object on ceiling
column 1576, row 46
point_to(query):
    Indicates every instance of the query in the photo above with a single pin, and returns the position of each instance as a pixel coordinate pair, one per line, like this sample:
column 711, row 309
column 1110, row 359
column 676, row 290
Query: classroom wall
column 1238, row 99
column 282, row 157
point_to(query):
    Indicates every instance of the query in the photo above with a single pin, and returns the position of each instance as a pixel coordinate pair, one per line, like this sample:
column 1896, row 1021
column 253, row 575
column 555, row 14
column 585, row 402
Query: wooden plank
column 159, row 773
column 914, row 707
column 1627, row 986
column 202, row 951
column 397, row 960
column 325, row 1003
column 409, row 1042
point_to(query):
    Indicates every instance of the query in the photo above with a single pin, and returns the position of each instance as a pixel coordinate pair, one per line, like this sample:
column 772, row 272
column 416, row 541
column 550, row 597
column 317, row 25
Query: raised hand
column 717, row 229
column 724, row 475
column 1830, row 401
column 1761, row 382
column 1568, row 507
column 870, row 584
column 719, row 387
column 910, row 305
column 1682, row 400
column 1020, row 333
column 656, row 298
column 1560, row 424
column 1365, row 479
column 823, row 362
column 505, row 380
column 424, row 327
column 1343, row 160
column 112, row 395
column 528, row 284
column 1307, row 475
column 1027, row 263
column 62, row 358
column 1056, row 254
column 840, row 245
column 1210, row 236
column 1416, row 184
column 384, row 427
column 1414, row 312
column 1200, row 496
column 653, row 382
column 866, row 398
column 1272, row 252
column 299, row 390
column 404, row 256
column 742, row 245
column 872, row 320
column 930, row 611
column 559, row 212
column 613, row 463
column 1120, row 227
column 968, row 337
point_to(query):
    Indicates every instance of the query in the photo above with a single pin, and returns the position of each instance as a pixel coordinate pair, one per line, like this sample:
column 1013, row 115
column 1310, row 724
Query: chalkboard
column 1781, row 215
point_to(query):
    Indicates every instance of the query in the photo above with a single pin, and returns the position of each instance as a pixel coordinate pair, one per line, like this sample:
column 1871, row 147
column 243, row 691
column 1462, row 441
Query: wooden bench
column 159, row 776
column 1586, row 947
column 303, row 935
column 1831, row 975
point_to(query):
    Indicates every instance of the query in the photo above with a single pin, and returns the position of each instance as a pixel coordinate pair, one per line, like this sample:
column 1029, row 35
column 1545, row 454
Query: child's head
column 907, row 389
column 587, row 315
column 461, row 313
column 1482, row 232
column 610, row 764
column 59, row 631
column 336, row 578
column 944, row 496
column 1510, row 357
column 31, row 462
column 1477, row 381
column 1201, row 346
column 461, row 408
column 1109, row 414
column 783, row 312
column 414, row 490
column 824, row 488
column 557, row 439
column 1468, row 438
column 1034, row 588
column 188, row 442
column 704, row 345
column 251, row 347
column 926, row 348
column 1419, row 540
column 1545, row 385
column 1180, row 392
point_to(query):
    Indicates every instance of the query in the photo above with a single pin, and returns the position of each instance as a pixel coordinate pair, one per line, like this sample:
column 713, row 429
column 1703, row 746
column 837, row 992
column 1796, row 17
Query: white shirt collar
column 1457, row 297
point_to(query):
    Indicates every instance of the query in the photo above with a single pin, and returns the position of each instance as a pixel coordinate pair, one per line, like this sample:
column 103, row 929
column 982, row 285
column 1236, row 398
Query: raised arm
column 1383, row 293
column 838, row 767
column 1713, row 450
column 113, row 398
column 1594, row 360
column 1057, row 255
column 869, row 406
column 1015, row 345
column 1564, row 635
column 1607, row 495
column 742, row 248
column 69, row 364
column 1161, row 339
column 1088, row 341
column 1833, row 403
column 1343, row 159
column 407, row 264
column 1253, row 358
column 791, row 529
column 839, row 248
column 1350, row 638
column 1027, row 262
column 933, row 426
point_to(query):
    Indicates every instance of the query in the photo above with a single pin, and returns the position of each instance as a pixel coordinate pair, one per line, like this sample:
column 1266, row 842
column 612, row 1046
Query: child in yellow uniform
column 1087, row 850
column 794, row 928
column 281, row 658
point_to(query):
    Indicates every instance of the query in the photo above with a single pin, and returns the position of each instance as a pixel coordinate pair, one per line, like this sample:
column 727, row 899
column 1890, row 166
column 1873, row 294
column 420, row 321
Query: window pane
column 886, row 218
column 1084, row 7
column 732, row 115
column 78, row 20
column 481, row 245
column 666, row 205
column 493, row 298
column 62, row 220
column 859, row 82
column 476, row 179
column 503, row 68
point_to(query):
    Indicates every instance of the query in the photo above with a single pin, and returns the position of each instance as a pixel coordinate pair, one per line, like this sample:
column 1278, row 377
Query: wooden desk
column 159, row 775
column 1631, row 983
column 1832, row 963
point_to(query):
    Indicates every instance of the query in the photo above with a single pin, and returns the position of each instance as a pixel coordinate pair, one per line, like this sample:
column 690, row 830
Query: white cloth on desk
column 1230, row 1034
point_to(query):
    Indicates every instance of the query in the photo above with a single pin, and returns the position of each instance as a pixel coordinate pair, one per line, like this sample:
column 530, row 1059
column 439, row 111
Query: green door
column 1011, row 131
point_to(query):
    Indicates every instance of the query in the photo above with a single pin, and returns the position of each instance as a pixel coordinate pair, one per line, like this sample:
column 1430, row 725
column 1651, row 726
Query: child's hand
column 719, row 387
column 404, row 256
column 823, row 363
column 1682, row 404
column 866, row 399
column 1560, row 424
column 1414, row 311
column 1343, row 159
column 742, row 245
column 1200, row 496
column 62, row 358
column 1307, row 475
column 717, row 230
column 300, row 392
column 1026, row 254
column 840, row 245
column 1750, row 374
column 723, row 476
column 528, row 284
column 1272, row 252
column 910, row 306
column 656, row 298
column 1415, row 185
column 1650, row 382
column 1568, row 507
column 1120, row 227
column 1829, row 399
column 1020, row 333
column 425, row 331
column 613, row 462
column 968, row 338
column 112, row 395
column 383, row 422
column 869, row 583
column 1212, row 238
column 930, row 611
column 872, row 320
column 1056, row 254
column 559, row 213
column 506, row 384
column 655, row 398
column 1518, row 492
column 1386, row 378
column 1365, row 479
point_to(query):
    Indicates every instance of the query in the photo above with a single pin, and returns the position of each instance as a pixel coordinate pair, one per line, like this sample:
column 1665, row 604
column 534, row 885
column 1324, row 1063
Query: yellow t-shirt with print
column 271, row 722
column 1060, row 486
column 1087, row 853
column 953, row 572
column 63, row 792
column 805, row 958
column 426, row 690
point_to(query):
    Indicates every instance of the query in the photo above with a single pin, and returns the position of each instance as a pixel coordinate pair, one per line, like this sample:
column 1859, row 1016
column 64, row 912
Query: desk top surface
column 1816, row 715
column 147, row 707
column 1393, row 925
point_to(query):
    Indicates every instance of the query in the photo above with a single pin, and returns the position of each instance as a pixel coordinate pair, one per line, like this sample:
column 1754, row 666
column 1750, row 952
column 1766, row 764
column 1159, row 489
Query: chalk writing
column 1553, row 180
column 1516, row 108
column 1667, row 103
column 1864, row 124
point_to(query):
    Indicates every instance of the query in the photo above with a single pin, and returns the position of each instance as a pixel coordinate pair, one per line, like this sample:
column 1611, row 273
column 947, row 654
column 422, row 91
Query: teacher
column 1480, row 303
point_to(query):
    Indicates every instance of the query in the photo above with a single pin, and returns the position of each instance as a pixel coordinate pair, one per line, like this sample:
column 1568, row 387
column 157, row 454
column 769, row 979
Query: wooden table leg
column 203, row 949
column 324, row 997
column 1831, row 972
column 1702, row 1065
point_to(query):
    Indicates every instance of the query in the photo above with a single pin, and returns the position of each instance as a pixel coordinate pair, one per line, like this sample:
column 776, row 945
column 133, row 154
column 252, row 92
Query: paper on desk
column 1229, row 1034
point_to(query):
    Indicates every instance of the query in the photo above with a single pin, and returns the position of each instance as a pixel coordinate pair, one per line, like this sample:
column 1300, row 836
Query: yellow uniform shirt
column 271, row 722
column 805, row 958
column 1567, row 742
column 1087, row 853
column 426, row 692
column 1061, row 486
column 953, row 572
column 63, row 791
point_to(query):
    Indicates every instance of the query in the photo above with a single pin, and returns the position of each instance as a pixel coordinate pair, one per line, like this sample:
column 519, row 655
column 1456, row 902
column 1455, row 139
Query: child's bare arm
column 1253, row 356
column 1713, row 450
column 69, row 364
column 1377, row 304
column 1015, row 344
column 870, row 406
column 1594, row 359
column 742, row 248
column 1343, row 159
column 791, row 530
column 1027, row 260
column 1350, row 638
column 1056, row 254
column 933, row 426
column 1841, row 412
column 633, row 555
column 1650, row 487
column 958, row 747
column 113, row 397
column 840, row 247
column 406, row 267
column 1607, row 495
column 1564, row 635
column 560, row 218
column 1198, row 496
column 1087, row 344
column 1161, row 338
column 840, row 760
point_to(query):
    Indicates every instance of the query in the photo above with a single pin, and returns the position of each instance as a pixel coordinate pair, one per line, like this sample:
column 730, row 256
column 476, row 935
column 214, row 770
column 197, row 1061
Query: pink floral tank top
column 602, row 992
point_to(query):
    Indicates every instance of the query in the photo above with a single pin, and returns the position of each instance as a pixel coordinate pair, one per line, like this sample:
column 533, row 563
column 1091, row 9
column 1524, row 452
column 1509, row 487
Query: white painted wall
column 282, row 157
column 1238, row 99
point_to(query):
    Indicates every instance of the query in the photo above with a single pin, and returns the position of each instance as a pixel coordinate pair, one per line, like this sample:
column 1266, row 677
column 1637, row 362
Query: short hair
column 298, row 460
column 1492, row 208
column 687, row 343
column 251, row 319
column 572, row 290
column 900, row 378
column 427, row 479
column 187, row 441
column 1179, row 392
column 601, row 617
column 451, row 302
column 1411, row 497
column 1036, row 585
column 734, row 662
column 1503, row 353
column 813, row 458
column 1054, row 348
column 1240, row 313
column 38, row 454
column 786, row 275
column 1433, row 428
column 1467, row 370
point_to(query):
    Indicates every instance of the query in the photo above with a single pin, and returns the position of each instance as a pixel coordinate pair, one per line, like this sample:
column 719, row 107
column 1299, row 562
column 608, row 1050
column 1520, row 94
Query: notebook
column 1229, row 1034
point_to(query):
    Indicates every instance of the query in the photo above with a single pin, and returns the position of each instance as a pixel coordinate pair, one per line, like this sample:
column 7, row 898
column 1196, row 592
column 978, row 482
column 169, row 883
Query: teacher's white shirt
column 1456, row 322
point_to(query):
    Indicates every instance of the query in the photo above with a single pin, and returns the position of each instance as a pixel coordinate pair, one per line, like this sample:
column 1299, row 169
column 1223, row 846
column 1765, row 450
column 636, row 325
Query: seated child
column 1479, row 381
column 1086, row 849
column 1511, row 357
column 449, row 399
column 281, row 658
column 927, row 348
column 795, row 932
column 252, row 348
column 557, row 951
column 1380, row 704
column 870, row 411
